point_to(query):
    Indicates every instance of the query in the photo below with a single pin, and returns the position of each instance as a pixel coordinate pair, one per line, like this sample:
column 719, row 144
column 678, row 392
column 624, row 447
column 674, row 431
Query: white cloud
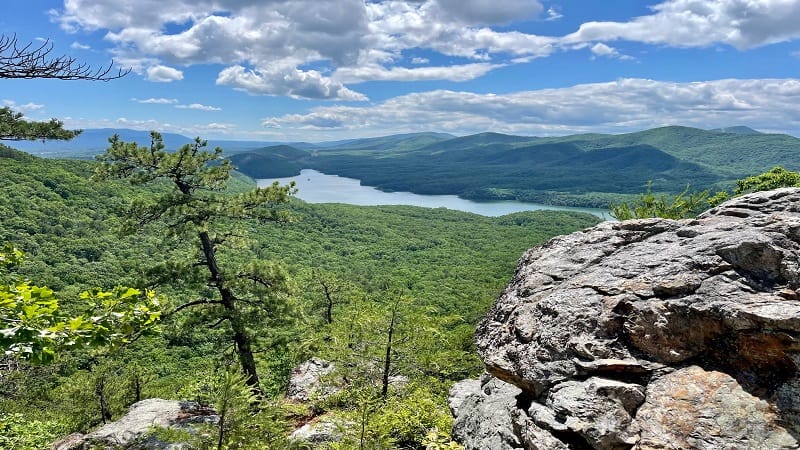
column 78, row 46
column 205, row 130
column 290, row 82
column 25, row 108
column 693, row 23
column 487, row 12
column 463, row 72
column 602, row 50
column 618, row 106
column 163, row 74
column 157, row 101
column 199, row 107
column 269, row 47
column 553, row 14
column 174, row 102
column 220, row 126
column 396, row 26
column 252, row 37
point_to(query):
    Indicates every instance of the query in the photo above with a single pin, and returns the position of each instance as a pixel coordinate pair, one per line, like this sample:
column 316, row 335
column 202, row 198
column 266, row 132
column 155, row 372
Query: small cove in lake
column 317, row 187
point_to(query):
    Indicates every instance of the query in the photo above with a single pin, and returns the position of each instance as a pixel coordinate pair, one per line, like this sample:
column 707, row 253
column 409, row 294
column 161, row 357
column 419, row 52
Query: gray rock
column 320, row 432
column 459, row 393
column 598, row 409
column 131, row 430
column 307, row 381
column 485, row 420
column 694, row 408
column 594, row 319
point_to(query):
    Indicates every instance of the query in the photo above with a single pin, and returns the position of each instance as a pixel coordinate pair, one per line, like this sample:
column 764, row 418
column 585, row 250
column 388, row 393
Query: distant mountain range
column 578, row 170
column 584, row 169
column 94, row 141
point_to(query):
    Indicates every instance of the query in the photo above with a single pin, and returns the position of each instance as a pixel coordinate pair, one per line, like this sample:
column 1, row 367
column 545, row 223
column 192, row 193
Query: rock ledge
column 650, row 334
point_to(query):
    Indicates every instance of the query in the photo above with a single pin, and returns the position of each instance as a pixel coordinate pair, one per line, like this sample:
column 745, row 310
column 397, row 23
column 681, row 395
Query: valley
column 446, row 266
column 584, row 170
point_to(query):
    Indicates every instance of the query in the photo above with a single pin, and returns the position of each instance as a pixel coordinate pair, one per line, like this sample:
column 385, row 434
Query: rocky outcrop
column 653, row 334
column 132, row 430
column 308, row 381
column 323, row 430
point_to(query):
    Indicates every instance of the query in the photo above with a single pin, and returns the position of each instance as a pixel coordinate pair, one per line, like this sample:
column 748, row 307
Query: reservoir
column 317, row 187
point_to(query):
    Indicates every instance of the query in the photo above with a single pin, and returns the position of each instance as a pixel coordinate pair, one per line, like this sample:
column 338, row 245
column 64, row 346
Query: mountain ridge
column 575, row 170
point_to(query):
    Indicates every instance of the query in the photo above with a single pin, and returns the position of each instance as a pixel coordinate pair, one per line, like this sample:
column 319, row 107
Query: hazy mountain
column 395, row 142
column 586, row 169
column 94, row 141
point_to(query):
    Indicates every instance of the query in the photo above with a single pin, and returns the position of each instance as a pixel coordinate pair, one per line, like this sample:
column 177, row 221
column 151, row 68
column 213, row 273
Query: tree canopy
column 14, row 128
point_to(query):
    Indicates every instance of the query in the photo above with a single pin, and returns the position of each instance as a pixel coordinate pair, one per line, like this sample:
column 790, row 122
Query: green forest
column 578, row 170
column 309, row 280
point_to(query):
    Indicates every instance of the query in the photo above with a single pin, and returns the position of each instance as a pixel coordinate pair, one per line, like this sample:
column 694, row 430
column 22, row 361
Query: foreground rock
column 133, row 429
column 309, row 380
column 652, row 334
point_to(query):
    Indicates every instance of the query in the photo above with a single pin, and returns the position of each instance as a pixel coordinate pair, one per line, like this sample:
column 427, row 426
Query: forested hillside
column 438, row 270
column 580, row 170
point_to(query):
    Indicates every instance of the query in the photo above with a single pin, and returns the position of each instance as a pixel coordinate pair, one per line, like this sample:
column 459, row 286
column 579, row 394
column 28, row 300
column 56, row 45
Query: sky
column 316, row 70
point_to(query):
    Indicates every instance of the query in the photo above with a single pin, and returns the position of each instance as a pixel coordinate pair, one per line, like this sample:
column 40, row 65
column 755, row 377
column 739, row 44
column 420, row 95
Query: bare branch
column 218, row 323
column 256, row 279
column 202, row 301
column 32, row 61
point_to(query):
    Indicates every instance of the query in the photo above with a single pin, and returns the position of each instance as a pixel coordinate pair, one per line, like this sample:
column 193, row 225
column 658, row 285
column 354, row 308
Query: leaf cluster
column 35, row 328
column 648, row 205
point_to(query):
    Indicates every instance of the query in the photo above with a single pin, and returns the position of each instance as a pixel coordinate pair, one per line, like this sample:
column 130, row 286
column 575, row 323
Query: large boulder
column 656, row 334
column 134, row 429
column 310, row 380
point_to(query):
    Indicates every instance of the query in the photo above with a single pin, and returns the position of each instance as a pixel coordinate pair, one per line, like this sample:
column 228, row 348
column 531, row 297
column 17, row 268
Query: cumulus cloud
column 618, row 106
column 693, row 23
column 290, row 82
column 487, row 12
column 199, row 106
column 269, row 47
column 163, row 74
column 252, row 37
column 462, row 72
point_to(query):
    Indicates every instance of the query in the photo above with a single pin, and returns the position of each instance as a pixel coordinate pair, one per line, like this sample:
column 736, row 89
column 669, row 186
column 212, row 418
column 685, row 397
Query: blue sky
column 333, row 69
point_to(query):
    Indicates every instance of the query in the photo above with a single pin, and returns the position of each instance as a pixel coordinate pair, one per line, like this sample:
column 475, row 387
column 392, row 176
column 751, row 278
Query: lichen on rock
column 655, row 333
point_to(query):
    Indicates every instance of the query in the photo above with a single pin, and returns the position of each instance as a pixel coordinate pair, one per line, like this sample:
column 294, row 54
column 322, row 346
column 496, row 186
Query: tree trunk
column 387, row 362
column 328, row 298
column 240, row 336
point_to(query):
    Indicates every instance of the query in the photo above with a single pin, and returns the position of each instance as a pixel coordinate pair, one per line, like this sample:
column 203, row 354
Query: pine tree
column 195, row 206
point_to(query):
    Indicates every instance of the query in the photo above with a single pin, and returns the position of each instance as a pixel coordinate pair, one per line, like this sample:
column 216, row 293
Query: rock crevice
column 649, row 334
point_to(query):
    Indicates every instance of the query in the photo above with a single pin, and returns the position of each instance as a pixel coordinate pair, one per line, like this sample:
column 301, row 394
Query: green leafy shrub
column 682, row 206
column 18, row 431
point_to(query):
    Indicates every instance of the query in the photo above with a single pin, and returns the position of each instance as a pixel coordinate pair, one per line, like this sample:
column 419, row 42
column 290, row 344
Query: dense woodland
column 578, row 170
column 340, row 278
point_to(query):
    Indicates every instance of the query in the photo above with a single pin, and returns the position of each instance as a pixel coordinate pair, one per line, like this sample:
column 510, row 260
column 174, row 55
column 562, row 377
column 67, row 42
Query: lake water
column 317, row 187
